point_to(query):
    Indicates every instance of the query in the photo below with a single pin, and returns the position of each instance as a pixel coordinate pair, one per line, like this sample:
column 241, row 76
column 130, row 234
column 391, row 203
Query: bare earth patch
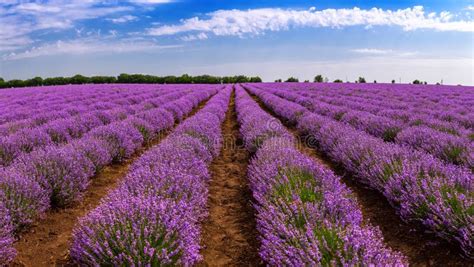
column 229, row 235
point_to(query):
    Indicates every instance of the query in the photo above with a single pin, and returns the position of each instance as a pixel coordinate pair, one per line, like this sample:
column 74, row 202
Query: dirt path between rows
column 422, row 249
column 229, row 235
column 47, row 242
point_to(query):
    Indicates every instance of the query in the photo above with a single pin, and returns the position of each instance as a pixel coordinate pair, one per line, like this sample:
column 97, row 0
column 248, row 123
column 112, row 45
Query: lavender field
column 246, row 174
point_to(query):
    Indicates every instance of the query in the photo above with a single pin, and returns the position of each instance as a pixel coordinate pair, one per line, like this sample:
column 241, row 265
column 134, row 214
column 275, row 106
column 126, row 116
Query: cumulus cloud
column 123, row 19
column 194, row 37
column 258, row 21
column 151, row 2
column 18, row 19
column 88, row 46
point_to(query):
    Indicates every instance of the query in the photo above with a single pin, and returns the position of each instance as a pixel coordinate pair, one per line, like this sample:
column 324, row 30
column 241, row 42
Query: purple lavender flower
column 422, row 188
column 28, row 139
column 7, row 252
column 305, row 215
column 136, row 231
column 63, row 172
column 154, row 215
column 122, row 139
column 23, row 197
column 442, row 145
column 95, row 150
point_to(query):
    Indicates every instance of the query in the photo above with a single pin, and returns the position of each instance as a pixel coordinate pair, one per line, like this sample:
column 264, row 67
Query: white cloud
column 470, row 7
column 382, row 52
column 257, row 21
column 194, row 37
column 123, row 19
column 151, row 2
column 372, row 51
column 88, row 46
column 18, row 19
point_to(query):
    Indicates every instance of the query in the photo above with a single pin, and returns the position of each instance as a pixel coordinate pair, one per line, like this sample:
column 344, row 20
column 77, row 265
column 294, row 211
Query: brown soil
column 47, row 242
column 421, row 248
column 229, row 235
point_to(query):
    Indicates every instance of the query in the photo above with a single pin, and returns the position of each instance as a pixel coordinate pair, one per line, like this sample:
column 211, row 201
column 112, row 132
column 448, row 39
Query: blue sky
column 382, row 40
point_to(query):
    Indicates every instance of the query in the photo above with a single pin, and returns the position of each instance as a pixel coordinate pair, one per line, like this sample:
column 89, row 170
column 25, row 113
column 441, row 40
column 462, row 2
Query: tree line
column 142, row 78
column 321, row 79
column 128, row 78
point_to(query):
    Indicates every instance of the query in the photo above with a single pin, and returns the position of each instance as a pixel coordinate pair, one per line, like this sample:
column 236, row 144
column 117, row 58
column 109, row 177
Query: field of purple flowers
column 411, row 144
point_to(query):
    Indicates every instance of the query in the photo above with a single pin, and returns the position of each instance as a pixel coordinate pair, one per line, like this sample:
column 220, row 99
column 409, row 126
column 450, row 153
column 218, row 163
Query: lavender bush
column 153, row 217
column 63, row 172
column 122, row 139
column 44, row 176
column 421, row 187
column 137, row 231
column 305, row 215
column 95, row 150
column 442, row 145
column 24, row 198
column 7, row 252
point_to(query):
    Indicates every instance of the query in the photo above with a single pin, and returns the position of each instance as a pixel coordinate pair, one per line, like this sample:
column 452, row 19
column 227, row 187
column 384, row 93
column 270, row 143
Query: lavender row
column 451, row 103
column 78, row 107
column 405, row 116
column 153, row 218
column 305, row 215
column 419, row 186
column 44, row 100
column 440, row 114
column 62, row 131
column 80, row 98
column 58, row 176
column 452, row 149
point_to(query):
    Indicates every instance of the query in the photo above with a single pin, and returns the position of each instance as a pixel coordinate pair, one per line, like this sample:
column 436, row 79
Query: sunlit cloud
column 88, row 46
column 258, row 21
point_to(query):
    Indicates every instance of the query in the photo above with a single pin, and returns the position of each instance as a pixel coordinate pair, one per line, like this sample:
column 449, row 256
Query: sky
column 380, row 40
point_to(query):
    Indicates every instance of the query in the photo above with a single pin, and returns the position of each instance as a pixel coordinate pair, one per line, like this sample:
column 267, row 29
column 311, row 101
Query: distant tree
column 79, row 79
column 172, row 79
column 185, row 78
column 123, row 78
column 255, row 79
column 241, row 79
column 102, row 79
column 212, row 79
column 416, row 82
column 425, row 82
column 306, row 81
column 16, row 83
column 361, row 80
column 226, row 79
column 278, row 80
column 393, row 81
column 56, row 81
column 292, row 80
column 375, row 81
column 318, row 78
column 129, row 78
column 337, row 81
column 36, row 81
column 438, row 83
